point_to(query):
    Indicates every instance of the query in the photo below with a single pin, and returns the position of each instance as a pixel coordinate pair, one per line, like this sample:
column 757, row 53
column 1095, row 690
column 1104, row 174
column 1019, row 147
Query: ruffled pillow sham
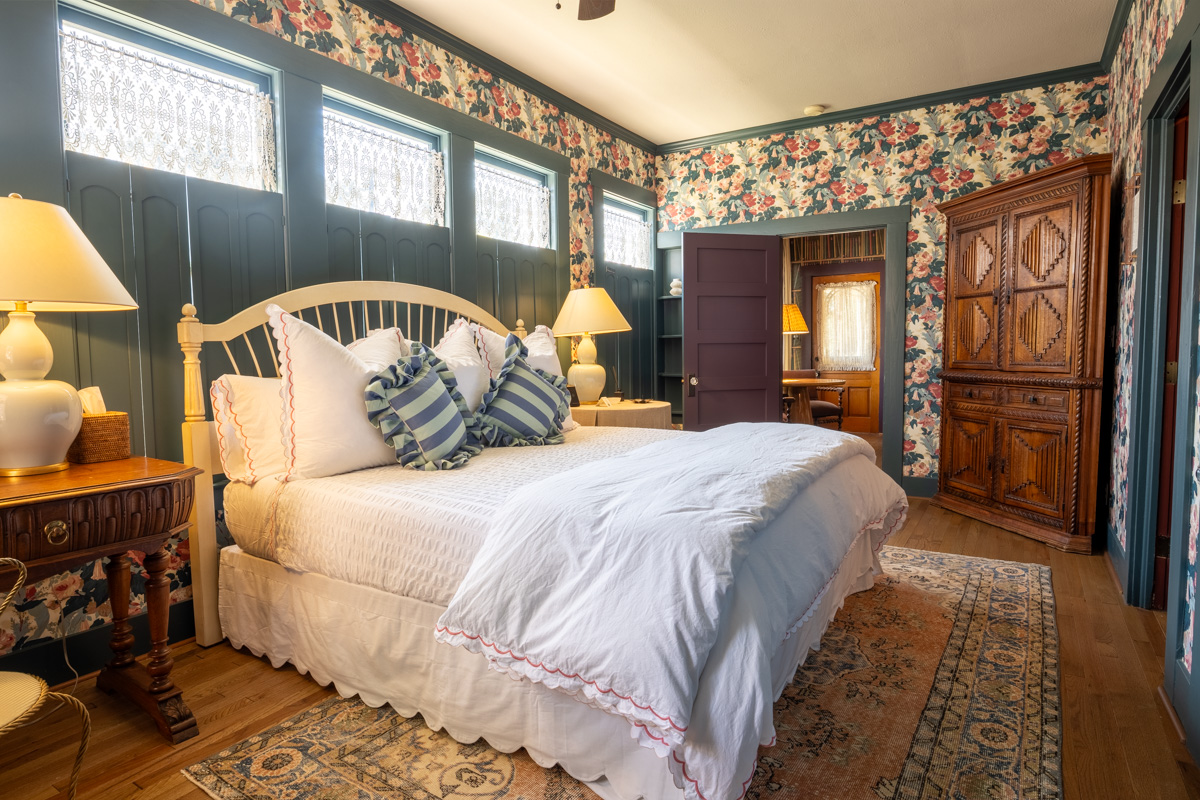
column 417, row 406
column 524, row 405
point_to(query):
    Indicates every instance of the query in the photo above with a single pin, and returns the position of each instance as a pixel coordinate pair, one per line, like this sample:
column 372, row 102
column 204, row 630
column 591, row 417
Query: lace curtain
column 371, row 168
column 846, row 335
column 510, row 206
column 135, row 106
column 626, row 237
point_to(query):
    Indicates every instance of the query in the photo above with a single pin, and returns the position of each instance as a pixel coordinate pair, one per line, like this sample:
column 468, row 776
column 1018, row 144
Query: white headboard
column 345, row 311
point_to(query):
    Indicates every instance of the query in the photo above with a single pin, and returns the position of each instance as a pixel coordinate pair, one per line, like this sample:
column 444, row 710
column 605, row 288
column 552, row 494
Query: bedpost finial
column 189, row 310
column 520, row 329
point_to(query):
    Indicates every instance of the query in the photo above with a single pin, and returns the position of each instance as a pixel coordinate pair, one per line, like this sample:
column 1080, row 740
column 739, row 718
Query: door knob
column 692, row 382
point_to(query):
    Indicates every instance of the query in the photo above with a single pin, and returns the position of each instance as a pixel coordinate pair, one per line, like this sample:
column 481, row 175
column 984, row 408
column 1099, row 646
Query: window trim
column 541, row 176
column 336, row 103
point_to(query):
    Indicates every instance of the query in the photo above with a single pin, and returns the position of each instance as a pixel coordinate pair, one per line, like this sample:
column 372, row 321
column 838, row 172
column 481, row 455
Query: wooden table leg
column 803, row 408
column 149, row 686
column 121, row 642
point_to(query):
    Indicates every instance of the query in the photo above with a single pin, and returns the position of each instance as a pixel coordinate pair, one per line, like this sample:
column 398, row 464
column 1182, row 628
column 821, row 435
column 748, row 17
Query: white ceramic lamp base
column 587, row 376
column 38, row 418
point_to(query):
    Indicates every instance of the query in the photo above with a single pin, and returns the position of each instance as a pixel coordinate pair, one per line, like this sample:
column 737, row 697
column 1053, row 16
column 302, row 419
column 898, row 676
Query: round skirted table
column 626, row 414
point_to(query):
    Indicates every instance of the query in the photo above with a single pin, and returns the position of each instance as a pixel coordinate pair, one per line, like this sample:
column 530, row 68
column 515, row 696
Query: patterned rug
column 940, row 682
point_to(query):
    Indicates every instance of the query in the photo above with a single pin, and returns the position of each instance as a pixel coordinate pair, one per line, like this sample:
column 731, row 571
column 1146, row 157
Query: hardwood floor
column 1117, row 740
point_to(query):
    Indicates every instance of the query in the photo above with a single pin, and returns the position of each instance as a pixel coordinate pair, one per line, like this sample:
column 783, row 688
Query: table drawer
column 107, row 521
column 982, row 393
column 1030, row 398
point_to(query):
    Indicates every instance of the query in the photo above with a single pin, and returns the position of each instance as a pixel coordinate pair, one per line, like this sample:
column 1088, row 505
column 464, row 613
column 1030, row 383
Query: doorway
column 836, row 280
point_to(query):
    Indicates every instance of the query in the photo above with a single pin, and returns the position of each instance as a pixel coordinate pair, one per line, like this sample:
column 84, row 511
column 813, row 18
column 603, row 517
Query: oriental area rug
column 940, row 682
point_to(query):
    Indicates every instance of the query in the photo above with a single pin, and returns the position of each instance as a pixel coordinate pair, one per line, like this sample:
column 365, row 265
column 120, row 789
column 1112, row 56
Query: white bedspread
column 613, row 583
column 404, row 531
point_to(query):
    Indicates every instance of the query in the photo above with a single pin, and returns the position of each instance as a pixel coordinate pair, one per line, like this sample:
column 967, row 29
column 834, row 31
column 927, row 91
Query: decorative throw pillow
column 325, row 429
column 491, row 349
column 524, row 405
column 381, row 349
column 543, row 350
column 416, row 404
column 249, row 413
column 457, row 348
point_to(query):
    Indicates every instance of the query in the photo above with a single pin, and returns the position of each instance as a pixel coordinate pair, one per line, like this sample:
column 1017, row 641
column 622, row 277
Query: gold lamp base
column 20, row 472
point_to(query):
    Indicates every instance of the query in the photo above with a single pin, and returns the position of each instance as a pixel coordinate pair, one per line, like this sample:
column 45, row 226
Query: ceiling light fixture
column 814, row 110
column 594, row 9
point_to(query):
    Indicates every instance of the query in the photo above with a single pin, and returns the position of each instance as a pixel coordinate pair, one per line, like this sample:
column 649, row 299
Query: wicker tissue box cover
column 102, row 437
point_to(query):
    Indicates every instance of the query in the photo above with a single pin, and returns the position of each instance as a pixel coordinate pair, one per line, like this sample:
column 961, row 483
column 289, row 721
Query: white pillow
column 543, row 350
column 249, row 413
column 491, row 348
column 382, row 348
column 458, row 349
column 325, row 425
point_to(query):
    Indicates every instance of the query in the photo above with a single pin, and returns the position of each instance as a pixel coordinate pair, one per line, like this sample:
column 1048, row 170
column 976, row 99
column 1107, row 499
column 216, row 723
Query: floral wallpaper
column 920, row 157
column 337, row 29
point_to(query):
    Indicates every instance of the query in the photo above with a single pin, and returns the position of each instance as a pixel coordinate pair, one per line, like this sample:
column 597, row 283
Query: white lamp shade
column 589, row 310
column 47, row 262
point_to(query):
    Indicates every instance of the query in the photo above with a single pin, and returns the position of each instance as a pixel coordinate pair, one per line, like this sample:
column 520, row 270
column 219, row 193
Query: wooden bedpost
column 520, row 329
column 198, row 449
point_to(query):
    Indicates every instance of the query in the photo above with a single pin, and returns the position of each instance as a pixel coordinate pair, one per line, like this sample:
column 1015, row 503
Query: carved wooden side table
column 57, row 521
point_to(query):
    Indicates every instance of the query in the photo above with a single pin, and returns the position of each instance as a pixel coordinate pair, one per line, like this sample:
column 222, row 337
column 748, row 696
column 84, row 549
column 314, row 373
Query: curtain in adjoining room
column 846, row 335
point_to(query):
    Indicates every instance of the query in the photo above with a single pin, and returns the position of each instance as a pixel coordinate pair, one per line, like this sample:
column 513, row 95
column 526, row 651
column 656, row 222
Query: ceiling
column 677, row 69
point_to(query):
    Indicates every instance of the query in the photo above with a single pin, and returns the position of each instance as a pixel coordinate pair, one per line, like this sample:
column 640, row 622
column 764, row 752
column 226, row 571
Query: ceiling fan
column 594, row 9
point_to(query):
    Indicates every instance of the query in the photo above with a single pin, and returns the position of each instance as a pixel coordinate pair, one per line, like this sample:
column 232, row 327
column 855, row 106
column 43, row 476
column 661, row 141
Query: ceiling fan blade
column 594, row 9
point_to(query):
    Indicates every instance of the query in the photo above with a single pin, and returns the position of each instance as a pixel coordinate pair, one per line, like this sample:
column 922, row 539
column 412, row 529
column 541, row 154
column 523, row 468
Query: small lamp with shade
column 586, row 312
column 46, row 264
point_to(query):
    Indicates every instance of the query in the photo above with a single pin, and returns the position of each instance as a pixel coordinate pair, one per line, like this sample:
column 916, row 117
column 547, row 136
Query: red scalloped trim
column 213, row 393
column 285, row 366
column 574, row 676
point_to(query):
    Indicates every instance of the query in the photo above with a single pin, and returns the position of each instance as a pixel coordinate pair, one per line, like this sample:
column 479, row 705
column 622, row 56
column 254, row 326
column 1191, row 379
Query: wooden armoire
column 1026, row 264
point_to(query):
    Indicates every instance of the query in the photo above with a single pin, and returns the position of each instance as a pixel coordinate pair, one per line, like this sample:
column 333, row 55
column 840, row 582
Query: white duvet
column 638, row 584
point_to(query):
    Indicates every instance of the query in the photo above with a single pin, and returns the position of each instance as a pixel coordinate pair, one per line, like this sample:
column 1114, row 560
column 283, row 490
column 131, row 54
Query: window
column 511, row 203
column 130, row 104
column 627, row 234
column 387, row 170
column 846, row 315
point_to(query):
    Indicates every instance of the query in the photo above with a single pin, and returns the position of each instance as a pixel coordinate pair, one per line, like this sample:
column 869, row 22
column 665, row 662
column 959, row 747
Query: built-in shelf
column 671, row 375
column 671, row 336
column 671, row 297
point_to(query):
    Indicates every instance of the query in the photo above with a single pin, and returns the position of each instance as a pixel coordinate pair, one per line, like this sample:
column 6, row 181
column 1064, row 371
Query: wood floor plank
column 1117, row 740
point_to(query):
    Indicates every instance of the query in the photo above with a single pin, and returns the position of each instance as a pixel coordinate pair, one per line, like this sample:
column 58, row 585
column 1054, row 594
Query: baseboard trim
column 1171, row 715
column 89, row 650
column 919, row 487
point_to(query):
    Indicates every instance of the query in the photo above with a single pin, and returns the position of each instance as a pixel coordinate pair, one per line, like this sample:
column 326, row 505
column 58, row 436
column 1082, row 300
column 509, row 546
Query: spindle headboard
column 345, row 311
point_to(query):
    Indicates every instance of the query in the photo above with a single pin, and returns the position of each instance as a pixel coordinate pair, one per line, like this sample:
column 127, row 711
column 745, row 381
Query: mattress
column 403, row 531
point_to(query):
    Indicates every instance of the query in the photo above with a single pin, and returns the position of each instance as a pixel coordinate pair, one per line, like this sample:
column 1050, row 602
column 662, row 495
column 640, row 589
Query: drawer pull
column 968, row 393
column 56, row 532
column 1033, row 398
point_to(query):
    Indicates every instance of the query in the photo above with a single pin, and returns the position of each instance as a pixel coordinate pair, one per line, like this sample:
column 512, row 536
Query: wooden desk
column 626, row 414
column 60, row 520
column 803, row 408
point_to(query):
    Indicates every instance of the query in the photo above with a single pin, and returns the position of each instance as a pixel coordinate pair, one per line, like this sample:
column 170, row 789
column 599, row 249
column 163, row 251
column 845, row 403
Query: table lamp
column 586, row 312
column 793, row 320
column 46, row 264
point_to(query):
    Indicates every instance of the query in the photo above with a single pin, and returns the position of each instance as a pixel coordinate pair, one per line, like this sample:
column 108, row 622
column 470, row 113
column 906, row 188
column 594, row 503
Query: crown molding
column 443, row 38
column 1083, row 71
column 1116, row 29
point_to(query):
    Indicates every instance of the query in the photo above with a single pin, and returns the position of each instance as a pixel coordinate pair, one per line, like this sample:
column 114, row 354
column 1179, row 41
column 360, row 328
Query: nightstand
column 626, row 414
column 57, row 521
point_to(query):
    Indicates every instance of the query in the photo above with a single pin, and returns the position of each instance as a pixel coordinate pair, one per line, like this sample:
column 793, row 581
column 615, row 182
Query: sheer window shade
column 846, row 336
column 626, row 237
column 372, row 168
column 133, row 105
column 511, row 206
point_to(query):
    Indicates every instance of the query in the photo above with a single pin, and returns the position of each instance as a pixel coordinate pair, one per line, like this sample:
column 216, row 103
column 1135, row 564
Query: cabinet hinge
column 1172, row 373
column 1179, row 192
column 1003, row 466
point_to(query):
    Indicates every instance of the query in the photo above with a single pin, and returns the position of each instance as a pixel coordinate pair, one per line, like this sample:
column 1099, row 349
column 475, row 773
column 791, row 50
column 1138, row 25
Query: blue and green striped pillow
column 523, row 405
column 416, row 404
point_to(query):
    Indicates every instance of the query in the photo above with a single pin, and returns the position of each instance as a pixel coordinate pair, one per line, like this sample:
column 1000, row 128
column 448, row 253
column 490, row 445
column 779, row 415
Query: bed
column 347, row 576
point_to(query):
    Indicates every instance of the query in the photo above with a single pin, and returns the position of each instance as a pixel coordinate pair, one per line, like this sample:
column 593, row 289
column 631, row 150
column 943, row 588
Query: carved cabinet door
column 1034, row 465
column 968, row 451
column 975, row 269
column 1044, row 260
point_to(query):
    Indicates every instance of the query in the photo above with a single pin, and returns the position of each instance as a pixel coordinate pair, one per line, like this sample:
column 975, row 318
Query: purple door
column 732, row 334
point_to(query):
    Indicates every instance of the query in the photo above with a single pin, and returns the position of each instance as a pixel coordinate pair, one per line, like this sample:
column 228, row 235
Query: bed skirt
column 380, row 647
